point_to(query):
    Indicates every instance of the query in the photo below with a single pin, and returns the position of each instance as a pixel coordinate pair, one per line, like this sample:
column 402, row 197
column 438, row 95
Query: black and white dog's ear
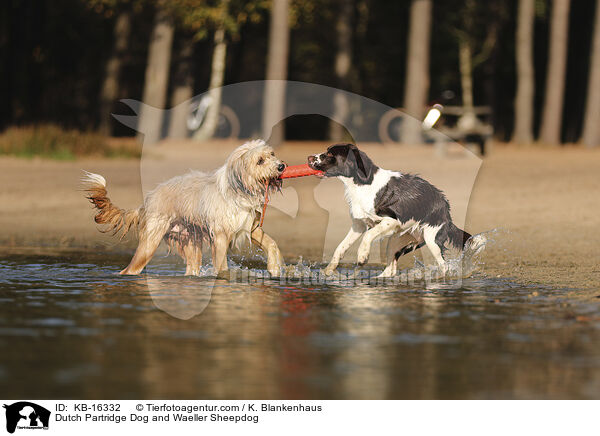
column 364, row 166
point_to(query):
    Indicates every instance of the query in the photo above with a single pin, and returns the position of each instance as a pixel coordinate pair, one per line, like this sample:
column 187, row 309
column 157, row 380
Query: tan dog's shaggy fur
column 196, row 208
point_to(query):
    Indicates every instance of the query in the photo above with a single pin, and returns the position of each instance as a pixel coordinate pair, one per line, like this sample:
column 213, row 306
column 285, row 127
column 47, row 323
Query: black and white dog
column 385, row 203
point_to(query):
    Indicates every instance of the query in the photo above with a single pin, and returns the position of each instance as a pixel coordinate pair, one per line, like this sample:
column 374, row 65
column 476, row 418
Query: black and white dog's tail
column 457, row 237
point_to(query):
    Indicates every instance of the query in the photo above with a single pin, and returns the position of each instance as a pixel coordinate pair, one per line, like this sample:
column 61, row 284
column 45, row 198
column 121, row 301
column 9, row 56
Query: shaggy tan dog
column 216, row 208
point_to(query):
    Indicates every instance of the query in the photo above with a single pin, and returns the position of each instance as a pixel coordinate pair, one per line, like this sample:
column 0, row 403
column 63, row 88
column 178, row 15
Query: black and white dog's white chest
column 406, row 198
column 362, row 198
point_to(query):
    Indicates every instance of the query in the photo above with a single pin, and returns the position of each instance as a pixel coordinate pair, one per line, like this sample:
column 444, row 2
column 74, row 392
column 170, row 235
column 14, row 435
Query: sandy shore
column 544, row 202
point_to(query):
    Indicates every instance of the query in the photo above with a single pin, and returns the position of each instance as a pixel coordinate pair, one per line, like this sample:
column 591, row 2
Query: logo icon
column 26, row 415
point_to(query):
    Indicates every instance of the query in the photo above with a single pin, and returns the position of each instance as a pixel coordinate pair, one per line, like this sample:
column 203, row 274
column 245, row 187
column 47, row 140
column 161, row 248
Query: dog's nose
column 281, row 167
column 311, row 158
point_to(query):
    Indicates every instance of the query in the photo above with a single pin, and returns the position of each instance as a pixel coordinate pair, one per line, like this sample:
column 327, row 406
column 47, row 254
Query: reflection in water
column 71, row 327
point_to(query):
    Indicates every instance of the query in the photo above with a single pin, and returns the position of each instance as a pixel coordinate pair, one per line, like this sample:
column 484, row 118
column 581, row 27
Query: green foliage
column 53, row 142
column 307, row 12
column 107, row 8
column 477, row 23
column 203, row 16
column 541, row 8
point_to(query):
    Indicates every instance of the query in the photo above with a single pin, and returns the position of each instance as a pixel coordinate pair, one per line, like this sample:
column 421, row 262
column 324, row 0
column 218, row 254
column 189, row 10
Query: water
column 70, row 327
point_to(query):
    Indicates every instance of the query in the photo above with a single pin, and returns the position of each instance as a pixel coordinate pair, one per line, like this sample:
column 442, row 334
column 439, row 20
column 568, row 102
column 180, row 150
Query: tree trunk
column 110, row 87
column 466, row 74
column 217, row 76
column 277, row 60
column 183, row 90
column 523, row 131
column 468, row 120
column 417, row 75
column 591, row 125
column 343, row 61
column 156, row 80
column 555, row 81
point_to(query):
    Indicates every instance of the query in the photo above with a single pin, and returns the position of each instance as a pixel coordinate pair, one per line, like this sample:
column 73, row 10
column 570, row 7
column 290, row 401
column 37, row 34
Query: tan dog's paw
column 275, row 272
column 330, row 270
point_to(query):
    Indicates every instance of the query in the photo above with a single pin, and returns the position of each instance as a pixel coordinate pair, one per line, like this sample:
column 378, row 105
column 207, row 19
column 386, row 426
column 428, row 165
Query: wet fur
column 190, row 210
column 388, row 203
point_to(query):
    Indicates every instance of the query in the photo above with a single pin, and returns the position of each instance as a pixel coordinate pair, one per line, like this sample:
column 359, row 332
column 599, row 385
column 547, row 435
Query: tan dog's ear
column 236, row 175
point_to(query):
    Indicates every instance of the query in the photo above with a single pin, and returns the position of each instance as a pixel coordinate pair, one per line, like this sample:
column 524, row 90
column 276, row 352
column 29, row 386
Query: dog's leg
column 220, row 245
column 396, row 244
column 392, row 262
column 386, row 227
column 193, row 258
column 150, row 236
column 275, row 260
column 357, row 229
column 429, row 235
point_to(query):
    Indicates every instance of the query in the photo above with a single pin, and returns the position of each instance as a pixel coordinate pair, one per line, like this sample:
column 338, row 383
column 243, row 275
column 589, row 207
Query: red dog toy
column 289, row 173
column 299, row 171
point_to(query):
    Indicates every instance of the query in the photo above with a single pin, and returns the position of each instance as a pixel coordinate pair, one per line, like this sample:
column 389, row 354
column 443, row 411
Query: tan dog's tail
column 116, row 219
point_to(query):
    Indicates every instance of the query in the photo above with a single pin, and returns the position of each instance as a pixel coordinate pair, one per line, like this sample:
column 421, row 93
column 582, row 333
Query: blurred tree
column 523, row 131
column 591, row 126
column 343, row 62
column 474, row 47
column 204, row 14
column 313, row 49
column 225, row 18
column 417, row 69
column 110, row 85
column 276, row 74
column 183, row 88
column 157, row 77
column 42, row 81
column 217, row 77
column 556, row 71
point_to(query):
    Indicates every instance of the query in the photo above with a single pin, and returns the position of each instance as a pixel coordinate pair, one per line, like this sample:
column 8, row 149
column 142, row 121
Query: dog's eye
column 272, row 153
column 260, row 161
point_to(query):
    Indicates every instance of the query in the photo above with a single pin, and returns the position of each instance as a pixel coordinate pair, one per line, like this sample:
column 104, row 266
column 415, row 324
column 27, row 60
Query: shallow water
column 70, row 327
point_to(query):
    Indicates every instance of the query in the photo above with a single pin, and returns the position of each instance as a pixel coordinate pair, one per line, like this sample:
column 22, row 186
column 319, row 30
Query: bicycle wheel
column 228, row 125
column 197, row 112
column 390, row 126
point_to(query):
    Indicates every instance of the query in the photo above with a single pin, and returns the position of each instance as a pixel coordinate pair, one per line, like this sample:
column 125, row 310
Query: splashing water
column 462, row 266
column 250, row 267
